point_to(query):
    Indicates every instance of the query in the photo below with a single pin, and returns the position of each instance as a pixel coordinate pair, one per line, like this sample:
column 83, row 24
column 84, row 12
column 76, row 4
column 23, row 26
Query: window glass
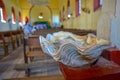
column 1, row 16
column 78, row 7
column 13, row 16
column 100, row 2
column 13, row 21
column 69, row 15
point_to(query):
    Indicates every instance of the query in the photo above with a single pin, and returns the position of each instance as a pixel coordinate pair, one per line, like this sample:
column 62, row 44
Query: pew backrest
column 44, row 32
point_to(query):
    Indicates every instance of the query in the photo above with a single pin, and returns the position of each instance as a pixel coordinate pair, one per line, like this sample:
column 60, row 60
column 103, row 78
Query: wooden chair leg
column 31, row 59
column 27, row 72
column 6, row 50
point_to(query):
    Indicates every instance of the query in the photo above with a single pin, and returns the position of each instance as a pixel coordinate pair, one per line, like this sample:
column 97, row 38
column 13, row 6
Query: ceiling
column 24, row 4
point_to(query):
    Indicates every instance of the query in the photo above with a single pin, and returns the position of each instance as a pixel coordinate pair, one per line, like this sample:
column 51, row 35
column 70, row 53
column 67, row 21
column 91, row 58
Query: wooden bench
column 10, row 39
column 34, row 49
column 19, row 37
column 3, row 44
column 44, row 32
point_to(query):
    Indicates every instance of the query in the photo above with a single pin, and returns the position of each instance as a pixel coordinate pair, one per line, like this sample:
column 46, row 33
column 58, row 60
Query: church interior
column 59, row 40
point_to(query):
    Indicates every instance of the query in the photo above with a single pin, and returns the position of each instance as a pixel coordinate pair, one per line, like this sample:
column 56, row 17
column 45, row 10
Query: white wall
column 5, row 26
column 115, row 26
column 104, row 23
column 109, row 22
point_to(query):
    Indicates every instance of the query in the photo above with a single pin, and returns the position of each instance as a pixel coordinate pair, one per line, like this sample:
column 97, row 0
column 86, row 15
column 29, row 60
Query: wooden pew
column 19, row 37
column 14, row 39
column 32, row 49
column 3, row 44
column 11, row 39
column 8, row 40
column 33, row 45
column 44, row 32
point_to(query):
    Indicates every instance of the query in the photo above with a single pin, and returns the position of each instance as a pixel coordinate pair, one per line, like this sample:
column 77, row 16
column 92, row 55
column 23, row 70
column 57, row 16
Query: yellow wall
column 85, row 20
column 107, row 15
column 25, row 8
column 8, row 5
column 35, row 12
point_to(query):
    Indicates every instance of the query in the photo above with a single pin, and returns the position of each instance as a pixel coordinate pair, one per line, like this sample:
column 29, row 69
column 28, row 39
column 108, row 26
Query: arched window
column 63, row 13
column 2, row 12
column 97, row 4
column 68, row 6
column 101, row 2
column 60, row 16
column 78, row 7
column 13, row 16
column 26, row 19
column 20, row 17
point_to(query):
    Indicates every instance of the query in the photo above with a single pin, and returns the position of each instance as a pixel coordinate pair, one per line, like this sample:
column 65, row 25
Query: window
column 69, row 14
column 63, row 14
column 100, row 2
column 1, row 16
column 78, row 7
column 2, row 12
column 13, row 16
column 26, row 19
column 60, row 17
column 20, row 18
column 97, row 4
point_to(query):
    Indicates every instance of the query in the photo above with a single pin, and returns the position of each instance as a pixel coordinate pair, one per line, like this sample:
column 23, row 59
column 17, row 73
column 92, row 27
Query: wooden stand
column 102, row 70
column 112, row 54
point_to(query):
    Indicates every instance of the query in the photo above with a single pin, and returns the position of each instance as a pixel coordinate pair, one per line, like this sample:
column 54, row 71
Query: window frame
column 20, row 17
column 97, row 4
column 63, row 14
column 2, row 16
column 78, row 7
column 68, row 10
column 2, row 12
column 13, row 15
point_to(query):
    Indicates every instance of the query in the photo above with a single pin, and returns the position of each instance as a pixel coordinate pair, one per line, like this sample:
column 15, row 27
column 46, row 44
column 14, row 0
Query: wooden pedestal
column 102, row 70
column 112, row 54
